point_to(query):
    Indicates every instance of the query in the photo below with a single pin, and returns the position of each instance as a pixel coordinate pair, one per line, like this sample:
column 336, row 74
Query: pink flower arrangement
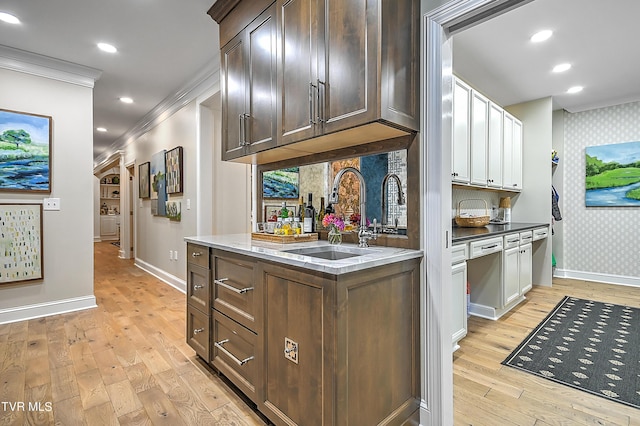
column 331, row 220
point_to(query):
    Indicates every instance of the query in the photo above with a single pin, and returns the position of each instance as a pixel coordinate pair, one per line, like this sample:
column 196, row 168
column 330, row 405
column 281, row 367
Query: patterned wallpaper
column 600, row 240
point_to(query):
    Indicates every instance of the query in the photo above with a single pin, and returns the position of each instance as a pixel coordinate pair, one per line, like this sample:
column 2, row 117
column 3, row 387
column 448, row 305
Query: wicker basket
column 472, row 221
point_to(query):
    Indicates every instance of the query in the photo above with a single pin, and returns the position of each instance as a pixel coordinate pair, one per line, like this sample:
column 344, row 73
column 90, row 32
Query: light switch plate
column 291, row 350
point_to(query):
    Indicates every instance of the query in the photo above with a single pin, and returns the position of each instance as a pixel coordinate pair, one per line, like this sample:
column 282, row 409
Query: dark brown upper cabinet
column 347, row 73
column 248, row 73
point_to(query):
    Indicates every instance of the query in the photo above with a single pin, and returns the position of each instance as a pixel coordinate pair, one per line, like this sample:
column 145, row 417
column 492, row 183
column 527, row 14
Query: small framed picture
column 144, row 190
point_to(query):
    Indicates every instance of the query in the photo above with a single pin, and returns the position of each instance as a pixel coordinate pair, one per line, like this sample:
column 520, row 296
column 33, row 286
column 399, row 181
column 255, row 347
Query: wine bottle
column 301, row 209
column 284, row 213
column 309, row 224
column 320, row 213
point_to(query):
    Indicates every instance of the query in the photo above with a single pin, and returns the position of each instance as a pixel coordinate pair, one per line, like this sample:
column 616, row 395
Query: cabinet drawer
column 511, row 240
column 198, row 255
column 198, row 287
column 233, row 353
column 540, row 233
column 459, row 253
column 198, row 328
column 233, row 288
column 525, row 237
column 484, row 247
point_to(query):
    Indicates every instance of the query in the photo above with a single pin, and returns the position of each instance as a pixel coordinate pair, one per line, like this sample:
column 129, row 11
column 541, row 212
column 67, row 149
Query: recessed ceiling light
column 541, row 36
column 101, row 129
column 575, row 89
column 106, row 47
column 126, row 100
column 8, row 18
column 561, row 67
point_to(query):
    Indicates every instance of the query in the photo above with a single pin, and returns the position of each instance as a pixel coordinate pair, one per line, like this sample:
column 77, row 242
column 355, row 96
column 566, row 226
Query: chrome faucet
column 401, row 199
column 364, row 235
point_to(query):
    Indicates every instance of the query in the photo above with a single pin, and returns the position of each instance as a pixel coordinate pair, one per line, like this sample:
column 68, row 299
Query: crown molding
column 202, row 82
column 45, row 66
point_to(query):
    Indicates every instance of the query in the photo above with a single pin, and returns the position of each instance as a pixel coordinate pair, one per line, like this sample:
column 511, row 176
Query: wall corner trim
column 44, row 66
column 38, row 310
column 163, row 276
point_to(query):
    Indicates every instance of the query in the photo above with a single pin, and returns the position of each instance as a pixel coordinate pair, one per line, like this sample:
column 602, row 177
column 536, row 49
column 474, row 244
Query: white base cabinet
column 458, row 294
column 109, row 225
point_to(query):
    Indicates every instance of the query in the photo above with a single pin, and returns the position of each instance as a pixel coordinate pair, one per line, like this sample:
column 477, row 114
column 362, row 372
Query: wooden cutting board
column 284, row 239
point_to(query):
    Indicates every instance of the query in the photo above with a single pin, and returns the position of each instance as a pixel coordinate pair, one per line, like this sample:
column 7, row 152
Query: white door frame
column 439, row 22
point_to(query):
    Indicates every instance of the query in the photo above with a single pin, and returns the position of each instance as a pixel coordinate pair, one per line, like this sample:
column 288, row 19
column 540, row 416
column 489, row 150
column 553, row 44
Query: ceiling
column 165, row 43
column 161, row 45
column 597, row 37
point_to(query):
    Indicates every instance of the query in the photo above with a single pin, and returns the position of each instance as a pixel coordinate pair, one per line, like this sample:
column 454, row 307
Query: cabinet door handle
column 229, row 354
column 198, row 287
column 196, row 254
column 489, row 247
column 197, row 331
column 221, row 282
column 311, row 87
column 245, row 119
column 321, row 101
column 240, row 130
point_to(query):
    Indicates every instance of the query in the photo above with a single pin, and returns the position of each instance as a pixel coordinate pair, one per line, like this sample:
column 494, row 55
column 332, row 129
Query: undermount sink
column 330, row 252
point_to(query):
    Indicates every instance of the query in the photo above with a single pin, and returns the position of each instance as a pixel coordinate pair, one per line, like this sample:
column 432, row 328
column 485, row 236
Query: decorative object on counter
column 334, row 224
column 159, row 183
column 598, row 349
column 143, row 180
column 471, row 220
column 173, row 164
column 25, row 140
column 21, row 230
column 505, row 209
column 612, row 175
column 284, row 239
column 104, row 209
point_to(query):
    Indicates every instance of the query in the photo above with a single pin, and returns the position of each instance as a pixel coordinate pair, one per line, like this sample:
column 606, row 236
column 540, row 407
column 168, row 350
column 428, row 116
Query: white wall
column 225, row 188
column 600, row 243
column 533, row 204
column 68, row 233
column 557, row 180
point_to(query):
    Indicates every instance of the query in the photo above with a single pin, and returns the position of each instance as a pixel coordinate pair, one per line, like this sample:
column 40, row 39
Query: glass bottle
column 284, row 212
column 320, row 213
column 301, row 209
column 297, row 227
column 309, row 224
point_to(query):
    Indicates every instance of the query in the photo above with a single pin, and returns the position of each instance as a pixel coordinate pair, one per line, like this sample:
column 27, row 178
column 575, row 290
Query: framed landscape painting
column 158, row 184
column 281, row 183
column 25, row 147
column 613, row 175
column 21, row 242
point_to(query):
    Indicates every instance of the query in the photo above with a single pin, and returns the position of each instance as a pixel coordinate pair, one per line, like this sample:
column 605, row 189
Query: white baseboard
column 166, row 277
column 46, row 309
column 97, row 239
column 597, row 277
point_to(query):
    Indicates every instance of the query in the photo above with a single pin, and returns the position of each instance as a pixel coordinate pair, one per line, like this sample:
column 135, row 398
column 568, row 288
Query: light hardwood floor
column 488, row 393
column 126, row 362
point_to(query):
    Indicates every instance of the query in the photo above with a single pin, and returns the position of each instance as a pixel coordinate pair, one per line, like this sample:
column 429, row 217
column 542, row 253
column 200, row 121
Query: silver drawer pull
column 196, row 254
column 489, row 247
column 221, row 282
column 512, row 241
column 198, row 330
column 229, row 354
column 198, row 287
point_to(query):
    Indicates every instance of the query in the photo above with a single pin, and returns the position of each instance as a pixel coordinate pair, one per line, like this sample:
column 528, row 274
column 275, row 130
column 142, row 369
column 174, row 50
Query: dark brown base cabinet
column 310, row 348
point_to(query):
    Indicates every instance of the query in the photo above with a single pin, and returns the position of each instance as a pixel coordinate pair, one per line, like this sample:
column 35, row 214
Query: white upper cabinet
column 487, row 142
column 494, row 151
column 460, row 169
column 512, row 153
column 479, row 138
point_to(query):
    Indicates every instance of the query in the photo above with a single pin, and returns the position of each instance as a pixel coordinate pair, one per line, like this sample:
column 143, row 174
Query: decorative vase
column 335, row 236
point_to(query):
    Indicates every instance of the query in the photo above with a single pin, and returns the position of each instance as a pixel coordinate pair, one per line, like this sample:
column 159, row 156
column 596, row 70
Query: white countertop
column 275, row 252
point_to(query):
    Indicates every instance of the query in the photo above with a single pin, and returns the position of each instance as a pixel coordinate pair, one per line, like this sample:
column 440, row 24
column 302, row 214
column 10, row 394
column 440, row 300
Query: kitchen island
column 312, row 334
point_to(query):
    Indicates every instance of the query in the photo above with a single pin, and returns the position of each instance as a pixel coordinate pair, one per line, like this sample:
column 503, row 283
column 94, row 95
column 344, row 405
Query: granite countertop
column 276, row 252
column 467, row 234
